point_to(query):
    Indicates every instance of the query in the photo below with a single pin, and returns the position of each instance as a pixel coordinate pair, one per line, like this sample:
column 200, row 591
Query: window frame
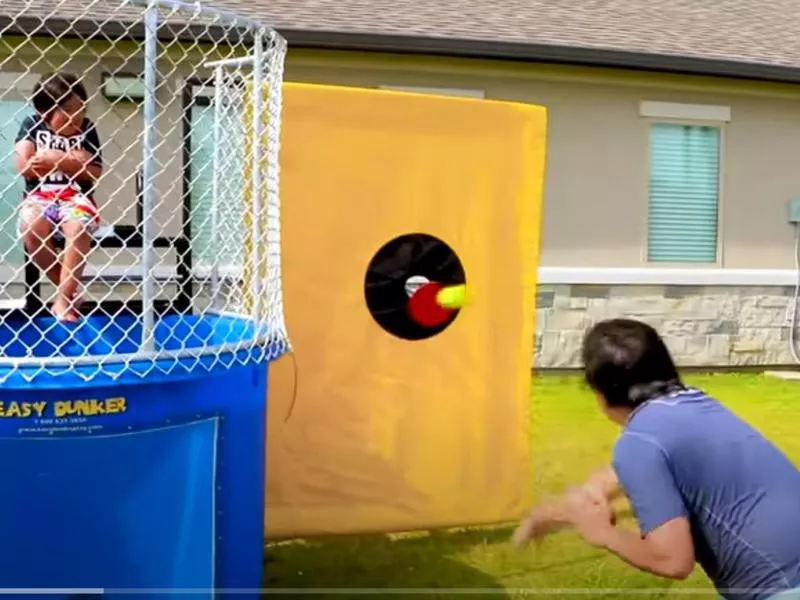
column 198, row 92
column 475, row 94
column 15, row 86
column 687, row 115
column 11, row 272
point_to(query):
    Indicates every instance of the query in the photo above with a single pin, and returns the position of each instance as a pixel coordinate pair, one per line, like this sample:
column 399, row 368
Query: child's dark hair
column 627, row 362
column 54, row 89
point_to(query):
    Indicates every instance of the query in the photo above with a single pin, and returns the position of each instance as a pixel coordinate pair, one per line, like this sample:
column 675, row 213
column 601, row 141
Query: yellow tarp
column 386, row 434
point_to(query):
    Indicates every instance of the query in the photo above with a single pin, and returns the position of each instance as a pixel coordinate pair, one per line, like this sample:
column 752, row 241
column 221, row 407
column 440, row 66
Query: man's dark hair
column 54, row 89
column 627, row 362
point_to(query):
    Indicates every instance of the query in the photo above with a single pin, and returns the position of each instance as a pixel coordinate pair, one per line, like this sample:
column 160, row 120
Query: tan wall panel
column 596, row 186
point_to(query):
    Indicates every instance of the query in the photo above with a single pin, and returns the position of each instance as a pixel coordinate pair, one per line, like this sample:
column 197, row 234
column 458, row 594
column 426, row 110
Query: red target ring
column 424, row 307
column 400, row 268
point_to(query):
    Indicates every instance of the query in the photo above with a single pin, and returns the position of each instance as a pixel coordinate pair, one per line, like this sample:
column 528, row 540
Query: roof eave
column 515, row 51
column 441, row 46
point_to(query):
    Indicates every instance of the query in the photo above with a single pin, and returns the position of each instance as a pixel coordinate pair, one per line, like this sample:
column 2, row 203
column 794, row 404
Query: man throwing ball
column 704, row 485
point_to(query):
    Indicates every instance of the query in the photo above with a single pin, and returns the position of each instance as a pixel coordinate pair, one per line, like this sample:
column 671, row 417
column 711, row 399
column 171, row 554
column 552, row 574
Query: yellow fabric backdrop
column 386, row 434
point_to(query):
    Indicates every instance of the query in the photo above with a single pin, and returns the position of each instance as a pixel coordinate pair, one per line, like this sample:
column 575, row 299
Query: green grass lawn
column 571, row 438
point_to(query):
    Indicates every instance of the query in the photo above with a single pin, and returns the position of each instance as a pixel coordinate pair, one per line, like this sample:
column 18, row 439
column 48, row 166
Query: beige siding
column 120, row 127
column 596, row 194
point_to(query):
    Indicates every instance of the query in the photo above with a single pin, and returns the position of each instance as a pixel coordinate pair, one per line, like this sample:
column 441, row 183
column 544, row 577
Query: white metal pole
column 258, row 134
column 239, row 61
column 215, row 187
column 149, row 165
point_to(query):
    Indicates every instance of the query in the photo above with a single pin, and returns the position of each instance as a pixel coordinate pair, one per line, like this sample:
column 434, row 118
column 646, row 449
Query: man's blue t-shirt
column 687, row 455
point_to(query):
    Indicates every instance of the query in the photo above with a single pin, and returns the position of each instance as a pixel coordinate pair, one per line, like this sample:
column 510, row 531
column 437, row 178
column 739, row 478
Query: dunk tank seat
column 118, row 237
column 133, row 440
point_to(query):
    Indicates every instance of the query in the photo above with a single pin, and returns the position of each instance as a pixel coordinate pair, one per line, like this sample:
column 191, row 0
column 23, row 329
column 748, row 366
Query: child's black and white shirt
column 35, row 130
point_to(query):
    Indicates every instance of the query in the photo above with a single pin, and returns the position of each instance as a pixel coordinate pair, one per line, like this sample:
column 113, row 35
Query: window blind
column 683, row 193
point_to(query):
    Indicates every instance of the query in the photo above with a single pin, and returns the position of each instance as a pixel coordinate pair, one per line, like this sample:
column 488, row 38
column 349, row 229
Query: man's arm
column 605, row 483
column 551, row 516
column 668, row 551
column 665, row 545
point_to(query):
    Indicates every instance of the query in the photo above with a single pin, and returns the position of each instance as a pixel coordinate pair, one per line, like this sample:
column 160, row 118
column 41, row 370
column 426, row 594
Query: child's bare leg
column 77, row 243
column 37, row 235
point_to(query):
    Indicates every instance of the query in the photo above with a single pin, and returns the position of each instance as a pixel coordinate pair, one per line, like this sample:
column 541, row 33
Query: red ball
column 424, row 308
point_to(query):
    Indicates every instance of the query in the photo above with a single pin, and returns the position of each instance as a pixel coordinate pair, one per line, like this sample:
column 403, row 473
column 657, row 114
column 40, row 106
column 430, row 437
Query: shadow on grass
column 383, row 565
column 465, row 562
column 478, row 563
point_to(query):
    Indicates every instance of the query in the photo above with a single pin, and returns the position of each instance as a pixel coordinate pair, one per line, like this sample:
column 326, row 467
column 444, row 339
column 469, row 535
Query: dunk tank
column 132, row 440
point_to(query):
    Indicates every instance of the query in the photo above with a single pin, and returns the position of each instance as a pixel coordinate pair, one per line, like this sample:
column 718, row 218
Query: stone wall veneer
column 717, row 326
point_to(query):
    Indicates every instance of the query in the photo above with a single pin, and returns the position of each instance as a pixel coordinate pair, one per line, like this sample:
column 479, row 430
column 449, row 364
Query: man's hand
column 591, row 515
column 604, row 483
column 536, row 525
column 551, row 516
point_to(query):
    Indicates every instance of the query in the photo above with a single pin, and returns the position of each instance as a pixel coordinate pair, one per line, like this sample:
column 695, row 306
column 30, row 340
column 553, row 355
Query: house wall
column 734, row 312
column 120, row 126
column 594, row 231
column 119, row 123
column 597, row 174
column 704, row 326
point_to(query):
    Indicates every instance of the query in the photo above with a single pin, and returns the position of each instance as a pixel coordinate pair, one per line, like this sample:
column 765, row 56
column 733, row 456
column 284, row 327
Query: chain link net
column 180, row 268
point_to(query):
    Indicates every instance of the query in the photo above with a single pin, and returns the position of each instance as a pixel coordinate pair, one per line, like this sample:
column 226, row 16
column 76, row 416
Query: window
column 15, row 87
column 226, row 251
column 438, row 91
column 683, row 207
column 12, row 112
column 201, row 152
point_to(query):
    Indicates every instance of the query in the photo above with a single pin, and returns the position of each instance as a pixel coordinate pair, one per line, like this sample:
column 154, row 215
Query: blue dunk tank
column 133, row 439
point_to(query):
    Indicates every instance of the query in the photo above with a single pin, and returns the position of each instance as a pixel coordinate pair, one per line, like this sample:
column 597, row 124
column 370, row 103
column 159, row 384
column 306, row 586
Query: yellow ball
column 452, row 297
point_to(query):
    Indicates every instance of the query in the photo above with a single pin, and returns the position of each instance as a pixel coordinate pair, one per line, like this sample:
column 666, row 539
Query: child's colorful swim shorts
column 58, row 205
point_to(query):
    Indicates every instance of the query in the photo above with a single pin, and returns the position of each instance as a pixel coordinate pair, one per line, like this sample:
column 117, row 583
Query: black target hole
column 419, row 256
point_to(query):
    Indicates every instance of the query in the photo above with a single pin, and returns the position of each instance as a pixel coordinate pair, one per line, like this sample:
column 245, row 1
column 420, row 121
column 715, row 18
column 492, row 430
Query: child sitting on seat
column 58, row 154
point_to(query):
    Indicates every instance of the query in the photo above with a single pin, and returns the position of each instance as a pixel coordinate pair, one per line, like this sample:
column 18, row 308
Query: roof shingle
column 763, row 32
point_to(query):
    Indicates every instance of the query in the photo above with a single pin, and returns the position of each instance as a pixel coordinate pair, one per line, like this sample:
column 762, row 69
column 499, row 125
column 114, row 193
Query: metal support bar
column 203, row 8
column 149, row 166
column 258, row 134
column 242, row 61
column 215, row 186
